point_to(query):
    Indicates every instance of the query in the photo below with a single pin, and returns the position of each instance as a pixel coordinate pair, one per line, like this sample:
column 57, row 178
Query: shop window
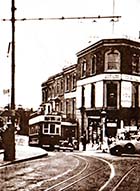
column 135, row 95
column 112, row 95
column 112, row 61
column 93, row 95
column 67, row 107
column 73, row 107
column 83, row 96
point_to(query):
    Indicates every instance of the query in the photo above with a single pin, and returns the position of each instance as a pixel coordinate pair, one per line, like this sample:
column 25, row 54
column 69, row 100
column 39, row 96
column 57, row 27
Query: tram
column 45, row 131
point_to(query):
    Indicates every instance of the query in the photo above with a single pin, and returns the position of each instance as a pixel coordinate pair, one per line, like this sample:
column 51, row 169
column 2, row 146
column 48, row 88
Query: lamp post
column 103, row 117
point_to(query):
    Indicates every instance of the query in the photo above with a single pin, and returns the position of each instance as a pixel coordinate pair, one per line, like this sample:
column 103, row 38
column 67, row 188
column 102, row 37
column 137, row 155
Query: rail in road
column 92, row 168
column 73, row 172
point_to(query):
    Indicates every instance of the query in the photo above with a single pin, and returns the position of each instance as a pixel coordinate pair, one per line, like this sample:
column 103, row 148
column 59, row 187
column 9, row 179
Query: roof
column 121, row 41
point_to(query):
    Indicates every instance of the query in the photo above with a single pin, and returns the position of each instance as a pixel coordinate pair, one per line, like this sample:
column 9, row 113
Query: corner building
column 108, row 79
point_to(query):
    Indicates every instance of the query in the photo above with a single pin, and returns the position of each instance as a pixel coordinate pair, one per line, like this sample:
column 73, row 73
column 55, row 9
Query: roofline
column 105, row 41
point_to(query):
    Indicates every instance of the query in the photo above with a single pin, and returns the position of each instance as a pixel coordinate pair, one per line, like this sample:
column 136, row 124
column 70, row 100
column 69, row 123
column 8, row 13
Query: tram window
column 47, row 118
column 58, row 118
column 53, row 118
column 57, row 130
column 46, row 129
column 52, row 128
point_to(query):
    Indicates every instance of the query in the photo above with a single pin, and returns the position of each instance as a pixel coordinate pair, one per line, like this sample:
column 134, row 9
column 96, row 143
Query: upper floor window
column 135, row 64
column 61, row 85
column 67, row 79
column 83, row 68
column 93, row 64
column 57, row 87
column 112, row 61
column 73, row 82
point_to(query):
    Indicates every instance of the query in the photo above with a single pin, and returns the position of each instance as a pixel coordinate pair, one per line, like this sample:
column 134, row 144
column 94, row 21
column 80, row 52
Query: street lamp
column 103, row 117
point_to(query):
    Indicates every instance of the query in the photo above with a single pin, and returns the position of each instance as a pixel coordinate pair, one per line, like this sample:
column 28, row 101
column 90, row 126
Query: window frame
column 112, row 61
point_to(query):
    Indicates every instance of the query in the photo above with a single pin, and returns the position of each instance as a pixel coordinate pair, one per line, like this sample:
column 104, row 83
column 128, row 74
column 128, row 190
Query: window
column 34, row 130
column 93, row 95
column 83, row 96
column 93, row 64
column 112, row 61
column 49, row 108
column 57, row 87
column 73, row 107
column 73, row 81
column 135, row 95
column 52, row 128
column 57, row 130
column 46, row 128
column 111, row 95
column 135, row 64
column 67, row 83
column 67, row 107
column 61, row 86
column 83, row 68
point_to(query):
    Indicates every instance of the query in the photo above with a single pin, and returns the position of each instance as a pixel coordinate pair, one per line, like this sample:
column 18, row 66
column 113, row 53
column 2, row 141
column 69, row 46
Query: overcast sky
column 43, row 48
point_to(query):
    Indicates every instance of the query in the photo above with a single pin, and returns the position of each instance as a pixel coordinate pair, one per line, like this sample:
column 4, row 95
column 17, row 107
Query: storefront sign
column 126, row 94
column 111, row 124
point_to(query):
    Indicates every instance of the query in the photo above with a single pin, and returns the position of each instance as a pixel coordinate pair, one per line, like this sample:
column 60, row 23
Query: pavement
column 25, row 152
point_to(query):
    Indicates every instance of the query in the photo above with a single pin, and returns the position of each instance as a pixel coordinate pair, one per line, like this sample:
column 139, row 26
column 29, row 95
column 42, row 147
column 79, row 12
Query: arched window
column 112, row 61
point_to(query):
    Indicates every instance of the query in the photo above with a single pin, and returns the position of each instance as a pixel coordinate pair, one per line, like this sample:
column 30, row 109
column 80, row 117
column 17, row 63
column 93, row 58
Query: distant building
column 106, row 77
column 59, row 96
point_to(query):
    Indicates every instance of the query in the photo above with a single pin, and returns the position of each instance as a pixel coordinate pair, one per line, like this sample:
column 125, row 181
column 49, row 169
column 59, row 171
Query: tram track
column 86, row 172
column 121, row 180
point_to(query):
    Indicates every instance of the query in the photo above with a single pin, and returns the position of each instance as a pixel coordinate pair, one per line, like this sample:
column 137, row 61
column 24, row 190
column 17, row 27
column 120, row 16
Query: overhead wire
column 62, row 18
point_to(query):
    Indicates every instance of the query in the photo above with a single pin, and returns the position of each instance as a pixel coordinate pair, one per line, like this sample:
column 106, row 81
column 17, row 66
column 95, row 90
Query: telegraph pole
column 13, row 58
column 9, row 134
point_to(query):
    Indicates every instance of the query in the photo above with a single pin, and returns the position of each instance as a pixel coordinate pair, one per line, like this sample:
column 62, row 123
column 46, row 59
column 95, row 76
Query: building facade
column 105, row 80
column 59, row 96
column 108, row 79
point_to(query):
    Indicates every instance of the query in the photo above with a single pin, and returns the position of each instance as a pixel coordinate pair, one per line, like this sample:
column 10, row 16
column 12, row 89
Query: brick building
column 108, row 78
column 105, row 78
column 59, row 96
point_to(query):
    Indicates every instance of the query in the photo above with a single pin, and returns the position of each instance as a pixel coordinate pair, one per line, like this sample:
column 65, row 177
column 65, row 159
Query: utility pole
column 9, row 134
column 9, row 153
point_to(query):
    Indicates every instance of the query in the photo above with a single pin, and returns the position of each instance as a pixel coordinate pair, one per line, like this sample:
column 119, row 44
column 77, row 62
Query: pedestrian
column 84, row 140
column 109, row 141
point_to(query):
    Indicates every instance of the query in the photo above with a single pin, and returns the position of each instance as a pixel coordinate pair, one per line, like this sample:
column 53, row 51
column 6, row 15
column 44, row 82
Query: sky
column 44, row 48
